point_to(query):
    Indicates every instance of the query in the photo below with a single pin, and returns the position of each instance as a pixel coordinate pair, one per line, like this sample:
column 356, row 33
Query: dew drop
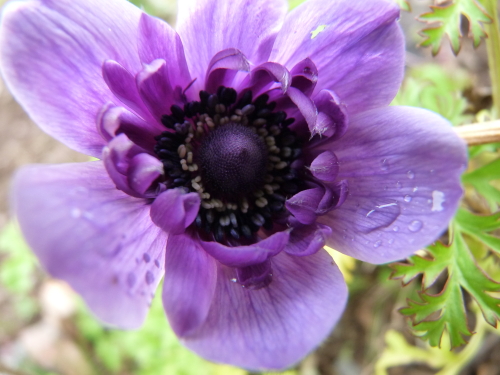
column 384, row 165
column 391, row 241
column 149, row 278
column 437, row 200
column 157, row 264
column 395, row 229
column 410, row 175
column 380, row 216
column 76, row 213
column 377, row 244
column 233, row 280
column 415, row 189
column 146, row 257
column 399, row 185
column 407, row 198
column 415, row 226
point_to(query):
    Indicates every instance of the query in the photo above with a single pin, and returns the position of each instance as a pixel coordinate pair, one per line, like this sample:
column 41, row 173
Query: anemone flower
column 231, row 151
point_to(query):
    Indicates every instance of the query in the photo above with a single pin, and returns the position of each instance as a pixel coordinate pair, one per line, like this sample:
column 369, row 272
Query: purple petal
column 305, row 76
column 308, row 204
column 357, row 47
column 189, row 284
column 144, row 170
column 303, row 205
column 174, row 210
column 157, row 40
column 117, row 156
column 223, row 68
column 113, row 121
column 307, row 239
column 255, row 277
column 332, row 117
column 242, row 256
column 122, row 85
column 276, row 326
column 403, row 167
column 325, row 166
column 51, row 58
column 155, row 89
column 305, row 105
column 267, row 73
column 93, row 236
column 207, row 27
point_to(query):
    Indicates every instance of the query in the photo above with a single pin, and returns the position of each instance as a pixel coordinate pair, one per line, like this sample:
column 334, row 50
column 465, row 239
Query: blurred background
column 46, row 329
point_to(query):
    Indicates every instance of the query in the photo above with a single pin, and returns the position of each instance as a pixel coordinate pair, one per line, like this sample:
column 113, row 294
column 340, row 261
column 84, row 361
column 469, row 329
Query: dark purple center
column 239, row 155
column 233, row 161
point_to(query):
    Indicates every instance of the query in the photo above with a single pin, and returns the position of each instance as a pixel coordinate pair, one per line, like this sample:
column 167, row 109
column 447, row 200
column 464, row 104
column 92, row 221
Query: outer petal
column 207, row 27
column 403, row 167
column 356, row 46
column 92, row 235
column 51, row 57
column 189, row 285
column 272, row 327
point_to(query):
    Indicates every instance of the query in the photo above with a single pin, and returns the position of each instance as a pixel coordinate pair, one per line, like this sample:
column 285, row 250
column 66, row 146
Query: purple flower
column 231, row 152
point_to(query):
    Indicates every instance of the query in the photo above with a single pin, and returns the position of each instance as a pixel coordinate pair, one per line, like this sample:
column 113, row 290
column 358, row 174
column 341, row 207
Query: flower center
column 239, row 155
column 233, row 161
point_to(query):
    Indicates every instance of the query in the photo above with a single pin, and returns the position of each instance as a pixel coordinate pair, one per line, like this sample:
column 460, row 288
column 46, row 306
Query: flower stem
column 493, row 47
column 480, row 133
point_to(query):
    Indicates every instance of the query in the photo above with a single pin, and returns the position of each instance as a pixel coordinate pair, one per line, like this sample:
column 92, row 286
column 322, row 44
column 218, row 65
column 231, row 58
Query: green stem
column 493, row 47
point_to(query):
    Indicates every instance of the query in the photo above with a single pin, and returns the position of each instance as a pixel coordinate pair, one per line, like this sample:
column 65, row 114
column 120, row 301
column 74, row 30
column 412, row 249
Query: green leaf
column 482, row 178
column 436, row 314
column 446, row 21
column 294, row 3
column 440, row 90
column 480, row 227
column 449, row 304
column 404, row 5
column 430, row 268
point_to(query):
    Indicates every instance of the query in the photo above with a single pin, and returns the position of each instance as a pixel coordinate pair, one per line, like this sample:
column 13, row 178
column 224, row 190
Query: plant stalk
column 480, row 133
column 493, row 48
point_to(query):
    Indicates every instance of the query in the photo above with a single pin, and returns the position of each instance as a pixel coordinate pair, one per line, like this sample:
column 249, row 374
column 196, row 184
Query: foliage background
column 45, row 328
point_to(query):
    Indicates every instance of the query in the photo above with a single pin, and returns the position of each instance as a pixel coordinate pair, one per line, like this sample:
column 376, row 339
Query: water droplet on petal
column 410, row 175
column 415, row 226
column 399, row 185
column 407, row 198
column 146, row 257
column 391, row 241
column 415, row 189
column 384, row 165
column 233, row 280
column 76, row 213
column 380, row 216
column 377, row 244
column 437, row 200
column 395, row 229
column 149, row 277
column 157, row 264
